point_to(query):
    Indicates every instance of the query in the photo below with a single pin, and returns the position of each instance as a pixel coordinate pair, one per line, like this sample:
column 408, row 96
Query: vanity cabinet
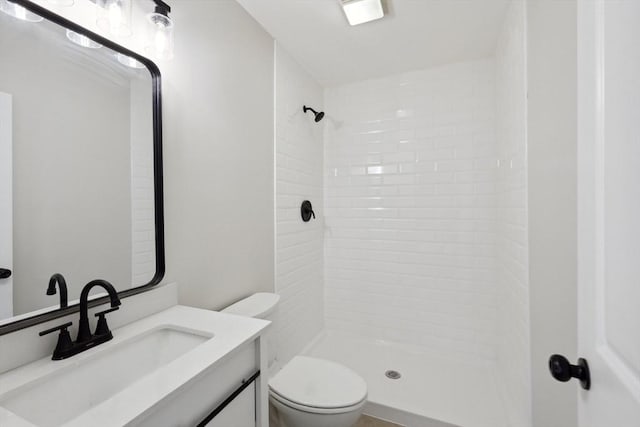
column 192, row 403
column 180, row 367
column 241, row 412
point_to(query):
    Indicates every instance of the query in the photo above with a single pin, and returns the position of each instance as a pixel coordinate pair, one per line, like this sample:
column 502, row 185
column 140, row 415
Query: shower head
column 319, row 115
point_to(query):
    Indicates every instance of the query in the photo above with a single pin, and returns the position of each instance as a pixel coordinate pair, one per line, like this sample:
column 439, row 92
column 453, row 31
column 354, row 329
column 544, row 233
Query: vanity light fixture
column 114, row 17
column 159, row 43
column 18, row 12
column 81, row 40
column 361, row 11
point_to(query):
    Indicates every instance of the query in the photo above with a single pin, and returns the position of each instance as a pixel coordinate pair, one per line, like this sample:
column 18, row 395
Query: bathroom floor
column 367, row 421
column 432, row 390
column 364, row 421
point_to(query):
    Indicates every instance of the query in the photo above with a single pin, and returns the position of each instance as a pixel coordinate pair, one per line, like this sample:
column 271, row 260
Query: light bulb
column 114, row 17
column 161, row 41
column 18, row 12
column 160, row 36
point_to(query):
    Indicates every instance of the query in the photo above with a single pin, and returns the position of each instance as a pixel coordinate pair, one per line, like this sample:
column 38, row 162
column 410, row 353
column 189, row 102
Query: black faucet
column 62, row 284
column 84, row 334
column 85, row 340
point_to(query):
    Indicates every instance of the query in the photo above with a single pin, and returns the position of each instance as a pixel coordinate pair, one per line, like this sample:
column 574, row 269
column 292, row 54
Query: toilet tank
column 261, row 306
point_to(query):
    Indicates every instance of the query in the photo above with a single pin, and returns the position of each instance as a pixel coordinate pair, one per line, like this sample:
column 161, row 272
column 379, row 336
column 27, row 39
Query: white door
column 609, row 210
column 6, row 208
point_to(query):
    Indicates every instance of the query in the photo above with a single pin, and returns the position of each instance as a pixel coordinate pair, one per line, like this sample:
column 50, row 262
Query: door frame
column 6, row 209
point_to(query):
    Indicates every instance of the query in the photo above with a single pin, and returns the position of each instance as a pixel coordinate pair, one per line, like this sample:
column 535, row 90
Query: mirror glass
column 77, row 133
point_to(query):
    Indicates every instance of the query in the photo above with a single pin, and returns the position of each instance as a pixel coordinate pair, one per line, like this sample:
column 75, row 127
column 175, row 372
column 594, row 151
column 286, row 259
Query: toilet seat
column 318, row 386
column 311, row 410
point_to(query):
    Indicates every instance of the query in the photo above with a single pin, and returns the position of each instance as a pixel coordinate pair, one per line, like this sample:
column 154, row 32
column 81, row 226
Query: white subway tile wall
column 411, row 170
column 513, row 351
column 299, row 245
column 143, row 256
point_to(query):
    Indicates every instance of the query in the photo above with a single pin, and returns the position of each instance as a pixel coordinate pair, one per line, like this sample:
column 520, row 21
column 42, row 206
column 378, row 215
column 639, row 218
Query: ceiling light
column 18, row 11
column 361, row 11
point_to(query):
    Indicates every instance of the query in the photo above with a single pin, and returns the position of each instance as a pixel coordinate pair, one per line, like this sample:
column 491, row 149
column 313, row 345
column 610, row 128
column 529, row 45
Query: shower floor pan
column 432, row 391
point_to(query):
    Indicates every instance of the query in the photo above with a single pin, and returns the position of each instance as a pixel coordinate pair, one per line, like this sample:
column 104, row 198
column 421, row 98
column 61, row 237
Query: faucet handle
column 64, row 340
column 61, row 328
column 102, row 313
column 102, row 328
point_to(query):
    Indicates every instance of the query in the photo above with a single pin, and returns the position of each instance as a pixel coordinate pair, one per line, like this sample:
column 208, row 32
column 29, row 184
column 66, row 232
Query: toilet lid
column 318, row 383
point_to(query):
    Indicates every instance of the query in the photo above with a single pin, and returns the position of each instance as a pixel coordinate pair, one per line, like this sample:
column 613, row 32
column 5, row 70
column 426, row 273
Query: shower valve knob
column 306, row 211
column 564, row 371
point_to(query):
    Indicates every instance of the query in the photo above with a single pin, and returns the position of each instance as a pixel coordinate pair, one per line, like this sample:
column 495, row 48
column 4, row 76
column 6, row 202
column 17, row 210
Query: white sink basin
column 64, row 394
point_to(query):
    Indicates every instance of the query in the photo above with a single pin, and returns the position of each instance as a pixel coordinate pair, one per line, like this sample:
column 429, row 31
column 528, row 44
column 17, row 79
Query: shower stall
column 415, row 272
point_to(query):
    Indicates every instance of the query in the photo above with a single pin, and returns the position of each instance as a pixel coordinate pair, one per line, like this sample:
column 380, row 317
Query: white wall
column 410, row 208
column 513, row 346
column 299, row 245
column 552, row 139
column 219, row 150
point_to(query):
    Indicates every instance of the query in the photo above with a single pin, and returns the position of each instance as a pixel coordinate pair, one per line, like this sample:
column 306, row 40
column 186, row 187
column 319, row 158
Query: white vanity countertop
column 229, row 333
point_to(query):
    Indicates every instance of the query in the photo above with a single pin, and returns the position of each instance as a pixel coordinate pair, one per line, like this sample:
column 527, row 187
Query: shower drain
column 394, row 375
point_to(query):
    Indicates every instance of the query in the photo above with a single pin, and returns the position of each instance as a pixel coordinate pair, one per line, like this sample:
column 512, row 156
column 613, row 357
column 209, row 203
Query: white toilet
column 307, row 392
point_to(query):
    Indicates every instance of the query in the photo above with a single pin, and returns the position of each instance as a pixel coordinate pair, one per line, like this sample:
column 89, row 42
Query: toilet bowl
column 314, row 392
column 307, row 391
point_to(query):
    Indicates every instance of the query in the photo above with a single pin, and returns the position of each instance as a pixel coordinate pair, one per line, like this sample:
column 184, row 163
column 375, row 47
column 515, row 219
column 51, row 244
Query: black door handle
column 563, row 371
column 5, row 273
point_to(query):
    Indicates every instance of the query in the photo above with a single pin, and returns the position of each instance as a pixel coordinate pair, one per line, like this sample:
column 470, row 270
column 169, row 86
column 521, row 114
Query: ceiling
column 414, row 34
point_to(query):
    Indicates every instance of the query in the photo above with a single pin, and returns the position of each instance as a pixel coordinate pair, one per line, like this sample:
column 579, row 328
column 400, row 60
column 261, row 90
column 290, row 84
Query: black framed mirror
column 85, row 144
